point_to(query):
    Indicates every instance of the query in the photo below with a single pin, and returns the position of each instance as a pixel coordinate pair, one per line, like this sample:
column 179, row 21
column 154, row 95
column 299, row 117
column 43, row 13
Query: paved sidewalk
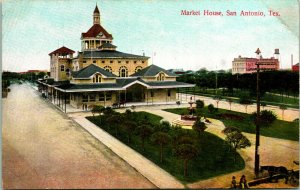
column 148, row 169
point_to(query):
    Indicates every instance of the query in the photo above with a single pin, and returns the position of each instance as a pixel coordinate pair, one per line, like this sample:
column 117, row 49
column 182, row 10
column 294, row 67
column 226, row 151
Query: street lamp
column 256, row 164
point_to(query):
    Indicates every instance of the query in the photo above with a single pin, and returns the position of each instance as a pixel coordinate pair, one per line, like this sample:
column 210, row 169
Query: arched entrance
column 134, row 93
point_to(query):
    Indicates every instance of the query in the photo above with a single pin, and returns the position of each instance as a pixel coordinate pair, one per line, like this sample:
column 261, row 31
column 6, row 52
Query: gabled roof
column 96, row 9
column 122, row 84
column 94, row 31
column 63, row 50
column 90, row 70
column 152, row 70
column 110, row 54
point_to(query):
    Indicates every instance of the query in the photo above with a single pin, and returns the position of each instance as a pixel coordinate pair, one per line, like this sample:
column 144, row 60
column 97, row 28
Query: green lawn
column 214, row 156
column 268, row 98
column 279, row 129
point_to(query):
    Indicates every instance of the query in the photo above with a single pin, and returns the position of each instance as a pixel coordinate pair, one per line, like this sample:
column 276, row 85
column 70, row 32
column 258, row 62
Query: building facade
column 243, row 65
column 101, row 75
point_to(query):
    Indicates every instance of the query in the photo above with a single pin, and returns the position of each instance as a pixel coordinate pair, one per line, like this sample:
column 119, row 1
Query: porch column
column 119, row 99
column 166, row 96
column 104, row 97
column 58, row 98
column 125, row 97
column 65, row 102
column 147, row 95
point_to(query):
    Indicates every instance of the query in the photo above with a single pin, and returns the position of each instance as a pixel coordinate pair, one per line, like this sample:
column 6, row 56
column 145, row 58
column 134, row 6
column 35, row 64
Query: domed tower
column 96, row 16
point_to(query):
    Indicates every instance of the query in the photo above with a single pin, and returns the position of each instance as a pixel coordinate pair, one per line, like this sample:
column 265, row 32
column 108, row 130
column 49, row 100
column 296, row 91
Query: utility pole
column 257, row 131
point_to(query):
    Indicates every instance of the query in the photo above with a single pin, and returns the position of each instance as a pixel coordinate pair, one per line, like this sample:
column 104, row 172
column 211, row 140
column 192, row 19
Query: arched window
column 138, row 68
column 68, row 72
column 97, row 78
column 62, row 68
column 123, row 71
column 161, row 77
column 108, row 68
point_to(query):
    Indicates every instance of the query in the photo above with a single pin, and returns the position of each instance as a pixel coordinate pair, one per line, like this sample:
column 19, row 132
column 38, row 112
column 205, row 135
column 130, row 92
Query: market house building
column 101, row 75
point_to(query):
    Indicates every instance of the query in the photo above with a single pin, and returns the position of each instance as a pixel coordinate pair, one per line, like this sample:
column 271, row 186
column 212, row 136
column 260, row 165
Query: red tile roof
column 62, row 50
column 95, row 30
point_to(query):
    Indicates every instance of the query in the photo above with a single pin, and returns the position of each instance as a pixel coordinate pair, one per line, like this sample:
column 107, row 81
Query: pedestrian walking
column 243, row 183
column 233, row 183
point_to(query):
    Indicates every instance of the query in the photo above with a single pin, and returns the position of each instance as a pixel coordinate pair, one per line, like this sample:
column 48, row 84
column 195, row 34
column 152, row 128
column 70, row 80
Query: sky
column 32, row 29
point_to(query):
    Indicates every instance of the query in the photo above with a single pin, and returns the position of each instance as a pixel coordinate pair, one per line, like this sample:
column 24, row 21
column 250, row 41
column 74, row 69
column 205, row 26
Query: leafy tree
column 114, row 121
column 144, row 131
column 211, row 108
column 217, row 99
column 97, row 109
column 129, row 127
column 267, row 117
column 228, row 130
column 108, row 111
column 229, row 100
column 199, row 104
column 282, row 107
column 237, row 140
column 186, row 152
column 246, row 101
column 162, row 139
column 199, row 126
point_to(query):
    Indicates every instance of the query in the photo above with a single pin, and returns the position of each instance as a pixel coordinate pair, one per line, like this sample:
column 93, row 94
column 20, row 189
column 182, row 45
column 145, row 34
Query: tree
column 97, row 109
column 267, row 117
column 211, row 108
column 229, row 100
column 246, row 102
column 237, row 140
column 186, row 152
column 228, row 130
column 199, row 104
column 114, row 121
column 162, row 139
column 144, row 131
column 282, row 107
column 217, row 99
column 129, row 127
column 199, row 126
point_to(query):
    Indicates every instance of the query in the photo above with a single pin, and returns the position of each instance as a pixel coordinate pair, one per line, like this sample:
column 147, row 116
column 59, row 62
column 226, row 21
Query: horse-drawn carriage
column 281, row 172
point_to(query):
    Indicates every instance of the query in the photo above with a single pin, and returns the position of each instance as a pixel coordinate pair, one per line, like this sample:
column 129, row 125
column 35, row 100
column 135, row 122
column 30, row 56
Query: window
column 123, row 71
column 84, row 98
column 101, row 96
column 62, row 68
column 127, row 62
column 68, row 72
column 103, row 61
column 111, row 61
column 138, row 68
column 108, row 96
column 143, row 61
column 161, row 77
column 169, row 92
column 108, row 68
column 92, row 97
column 84, row 61
column 97, row 78
column 134, row 61
column 94, row 61
column 152, row 94
column 119, row 61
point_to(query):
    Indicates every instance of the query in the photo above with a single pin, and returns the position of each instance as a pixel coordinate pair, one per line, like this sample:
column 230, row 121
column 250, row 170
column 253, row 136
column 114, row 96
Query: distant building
column 242, row 65
column 295, row 67
column 177, row 71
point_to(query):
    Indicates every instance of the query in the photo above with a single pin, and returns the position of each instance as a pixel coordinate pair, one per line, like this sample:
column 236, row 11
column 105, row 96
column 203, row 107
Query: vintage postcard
column 123, row 94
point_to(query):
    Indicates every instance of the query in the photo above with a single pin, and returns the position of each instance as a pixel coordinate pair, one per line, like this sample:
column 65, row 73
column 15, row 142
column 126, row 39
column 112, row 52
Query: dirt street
column 43, row 148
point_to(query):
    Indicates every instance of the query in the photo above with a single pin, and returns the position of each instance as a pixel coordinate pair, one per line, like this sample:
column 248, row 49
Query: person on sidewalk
column 233, row 183
column 243, row 183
